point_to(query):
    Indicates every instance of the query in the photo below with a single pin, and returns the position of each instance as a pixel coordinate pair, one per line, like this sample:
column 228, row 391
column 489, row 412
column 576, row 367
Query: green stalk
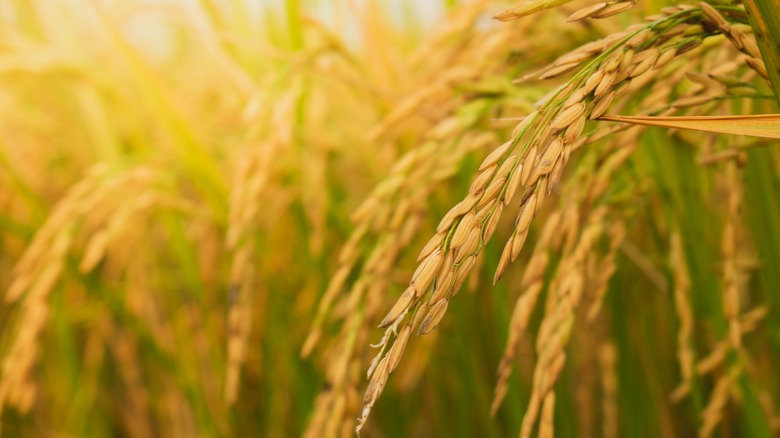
column 764, row 16
column 293, row 9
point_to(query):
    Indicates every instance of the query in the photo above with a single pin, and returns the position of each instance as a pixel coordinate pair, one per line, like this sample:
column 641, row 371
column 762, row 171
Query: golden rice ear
column 180, row 231
column 549, row 138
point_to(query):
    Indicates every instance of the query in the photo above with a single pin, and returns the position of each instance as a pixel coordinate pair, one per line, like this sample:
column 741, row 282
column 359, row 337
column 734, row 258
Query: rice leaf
column 759, row 125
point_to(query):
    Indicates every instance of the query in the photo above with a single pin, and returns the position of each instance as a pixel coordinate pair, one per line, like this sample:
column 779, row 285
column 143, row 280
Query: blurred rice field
column 207, row 208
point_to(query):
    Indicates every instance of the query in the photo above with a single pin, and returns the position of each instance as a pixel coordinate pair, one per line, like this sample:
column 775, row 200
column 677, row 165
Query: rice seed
column 378, row 357
column 615, row 60
column 528, row 166
column 638, row 39
column 492, row 222
column 449, row 219
column 602, row 104
column 470, row 245
column 558, row 70
column 425, row 273
column 575, row 98
column 421, row 312
column 549, row 157
column 397, row 350
column 614, row 38
column 504, row 260
column 605, row 85
column 643, row 66
column 707, row 80
column 485, row 210
column 670, row 10
column 675, row 31
column 518, row 242
column 688, row 46
column 464, row 227
column 434, row 317
column 593, row 81
column 482, row 180
column 433, row 243
column 527, row 194
column 730, row 32
column 491, row 193
column 750, row 46
column 468, row 203
column 664, row 58
column 399, row 307
column 693, row 30
column 614, row 9
column 587, row 12
column 622, row 74
column 641, row 56
column 444, row 286
column 574, row 130
column 555, row 175
column 377, row 383
column 578, row 55
column 567, row 116
column 524, row 124
column 447, row 262
column 594, row 47
column 542, row 190
column 495, row 156
column 506, row 166
column 514, row 183
column 758, row 65
column 463, row 271
column 526, row 213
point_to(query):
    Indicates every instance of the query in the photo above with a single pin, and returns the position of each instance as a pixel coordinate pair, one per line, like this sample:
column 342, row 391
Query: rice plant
column 456, row 218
